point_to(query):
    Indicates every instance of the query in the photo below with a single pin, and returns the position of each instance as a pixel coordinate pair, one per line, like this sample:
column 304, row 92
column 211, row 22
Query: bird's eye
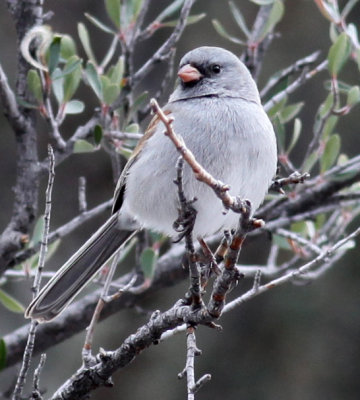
column 216, row 68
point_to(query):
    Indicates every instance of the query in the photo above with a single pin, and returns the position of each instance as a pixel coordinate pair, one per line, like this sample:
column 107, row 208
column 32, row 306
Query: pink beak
column 188, row 73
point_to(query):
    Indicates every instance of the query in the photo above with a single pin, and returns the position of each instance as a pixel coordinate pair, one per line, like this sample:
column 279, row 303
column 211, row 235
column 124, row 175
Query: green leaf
column 54, row 54
column 34, row 260
column 2, row 354
column 295, row 135
column 169, row 10
column 277, row 107
column 99, row 24
column 138, row 102
column 239, row 19
column 93, row 79
column 116, row 72
column 290, row 112
column 110, row 91
column 191, row 19
column 71, row 80
column 276, row 13
column 38, row 231
column 83, row 146
column 68, row 47
column 71, row 65
column 113, row 9
column 26, row 104
column 136, row 6
column 338, row 54
column 57, row 84
column 85, row 41
column 98, row 134
column 353, row 96
column 342, row 86
column 11, row 303
column 331, row 152
column 281, row 242
column 132, row 128
column 222, row 32
column 34, row 84
column 326, row 106
column 333, row 32
column 300, row 227
column 280, row 133
column 74, row 107
column 126, row 153
column 329, row 126
column 311, row 161
column 148, row 260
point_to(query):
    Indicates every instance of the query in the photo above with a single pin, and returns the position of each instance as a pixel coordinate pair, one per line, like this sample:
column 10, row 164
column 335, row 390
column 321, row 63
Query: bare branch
column 164, row 51
column 43, row 250
column 299, row 65
column 294, row 85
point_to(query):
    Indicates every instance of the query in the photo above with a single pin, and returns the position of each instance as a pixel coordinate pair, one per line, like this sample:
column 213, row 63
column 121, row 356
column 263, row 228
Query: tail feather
column 73, row 276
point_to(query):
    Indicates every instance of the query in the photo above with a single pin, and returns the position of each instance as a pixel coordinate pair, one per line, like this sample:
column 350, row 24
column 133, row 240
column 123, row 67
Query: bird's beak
column 188, row 73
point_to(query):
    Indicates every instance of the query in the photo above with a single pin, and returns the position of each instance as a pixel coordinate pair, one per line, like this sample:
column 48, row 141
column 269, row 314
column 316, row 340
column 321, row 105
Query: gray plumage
column 219, row 115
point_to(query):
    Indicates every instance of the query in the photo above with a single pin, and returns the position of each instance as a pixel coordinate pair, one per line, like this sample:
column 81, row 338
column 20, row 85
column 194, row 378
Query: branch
column 26, row 15
column 164, row 51
column 43, row 250
column 255, row 51
column 298, row 65
column 76, row 317
column 294, row 85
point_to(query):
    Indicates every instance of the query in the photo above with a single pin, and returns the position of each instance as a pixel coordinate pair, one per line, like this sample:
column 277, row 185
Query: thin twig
column 164, row 50
column 294, row 85
column 36, row 394
column 86, row 352
column 64, row 230
column 82, row 195
column 36, row 286
column 294, row 178
column 299, row 65
column 192, row 351
column 300, row 272
column 184, row 225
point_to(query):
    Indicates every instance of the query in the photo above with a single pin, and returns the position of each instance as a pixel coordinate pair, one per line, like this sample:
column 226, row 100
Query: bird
column 216, row 109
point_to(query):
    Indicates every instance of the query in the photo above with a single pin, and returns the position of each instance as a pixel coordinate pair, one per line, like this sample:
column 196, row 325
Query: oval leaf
column 85, row 41
column 74, row 107
column 148, row 260
column 54, row 54
column 34, row 84
column 83, row 146
column 68, row 47
column 353, row 96
column 239, row 19
column 93, row 79
column 71, row 80
column 11, row 303
column 276, row 13
column 331, row 153
column 113, row 10
column 222, row 32
column 99, row 24
column 339, row 53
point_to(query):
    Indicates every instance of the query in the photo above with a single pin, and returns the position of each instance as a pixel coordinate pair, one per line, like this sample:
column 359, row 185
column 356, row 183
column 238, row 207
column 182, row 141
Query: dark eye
column 216, row 68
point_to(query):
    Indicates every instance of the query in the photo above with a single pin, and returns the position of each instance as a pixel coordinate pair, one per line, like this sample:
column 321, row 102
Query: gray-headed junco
column 217, row 111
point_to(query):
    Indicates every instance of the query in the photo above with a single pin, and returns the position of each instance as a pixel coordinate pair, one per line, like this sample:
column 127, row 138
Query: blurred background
column 296, row 342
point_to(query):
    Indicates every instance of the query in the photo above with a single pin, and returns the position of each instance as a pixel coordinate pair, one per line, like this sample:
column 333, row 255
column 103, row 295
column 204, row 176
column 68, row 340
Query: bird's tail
column 78, row 271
